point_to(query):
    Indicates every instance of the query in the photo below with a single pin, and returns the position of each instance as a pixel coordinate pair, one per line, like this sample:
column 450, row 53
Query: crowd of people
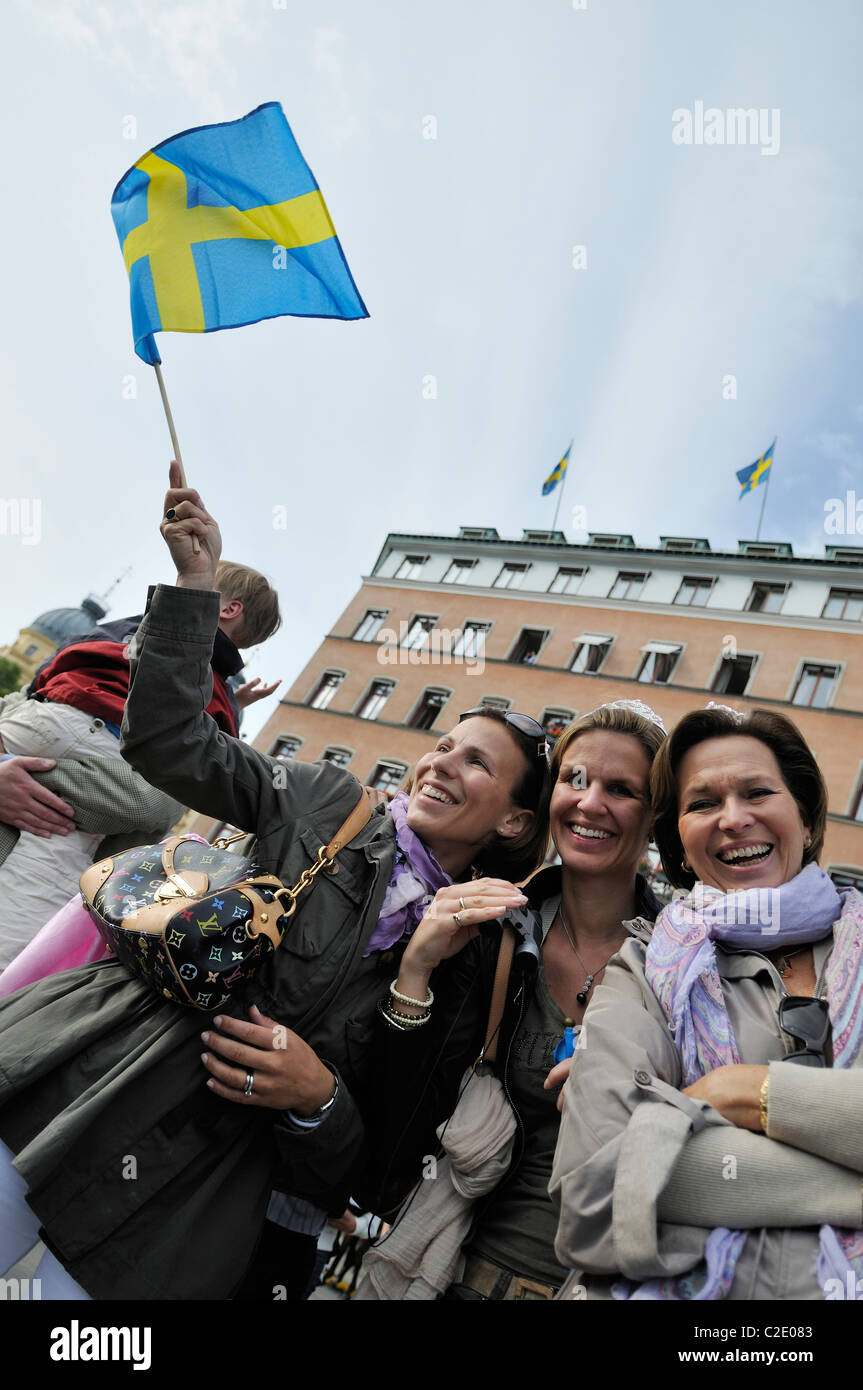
column 541, row 1079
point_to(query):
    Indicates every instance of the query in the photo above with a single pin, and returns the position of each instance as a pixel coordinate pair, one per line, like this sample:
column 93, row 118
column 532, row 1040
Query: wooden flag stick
column 174, row 441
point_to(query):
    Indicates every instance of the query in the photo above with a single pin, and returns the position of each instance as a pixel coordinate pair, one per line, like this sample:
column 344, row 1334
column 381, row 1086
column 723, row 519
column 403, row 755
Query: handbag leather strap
column 498, row 993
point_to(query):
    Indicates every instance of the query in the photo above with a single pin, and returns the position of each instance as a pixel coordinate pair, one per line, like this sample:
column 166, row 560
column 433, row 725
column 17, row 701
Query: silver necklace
column 591, row 974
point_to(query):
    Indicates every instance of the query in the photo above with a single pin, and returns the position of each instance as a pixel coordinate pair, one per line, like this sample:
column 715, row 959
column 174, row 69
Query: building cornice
column 696, row 560
column 720, row 615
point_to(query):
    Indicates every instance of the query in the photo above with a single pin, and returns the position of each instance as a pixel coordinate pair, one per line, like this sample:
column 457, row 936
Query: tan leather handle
column 498, row 993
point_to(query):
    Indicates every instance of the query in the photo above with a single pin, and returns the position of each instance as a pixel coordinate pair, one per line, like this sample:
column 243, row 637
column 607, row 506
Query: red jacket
column 94, row 677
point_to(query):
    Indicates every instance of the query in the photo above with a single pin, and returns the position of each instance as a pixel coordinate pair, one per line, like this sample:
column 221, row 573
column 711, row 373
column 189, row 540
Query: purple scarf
column 681, row 970
column 416, row 878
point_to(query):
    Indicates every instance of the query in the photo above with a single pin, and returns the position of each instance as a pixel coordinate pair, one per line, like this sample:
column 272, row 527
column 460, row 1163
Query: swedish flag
column 224, row 225
column 756, row 472
column 556, row 475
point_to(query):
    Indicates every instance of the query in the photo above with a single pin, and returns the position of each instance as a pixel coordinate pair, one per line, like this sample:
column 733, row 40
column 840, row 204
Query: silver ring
column 250, row 1083
column 455, row 918
column 461, row 905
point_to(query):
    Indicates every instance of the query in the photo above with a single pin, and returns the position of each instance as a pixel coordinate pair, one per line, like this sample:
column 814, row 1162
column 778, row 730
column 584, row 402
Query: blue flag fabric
column 556, row 474
column 750, row 477
column 225, row 225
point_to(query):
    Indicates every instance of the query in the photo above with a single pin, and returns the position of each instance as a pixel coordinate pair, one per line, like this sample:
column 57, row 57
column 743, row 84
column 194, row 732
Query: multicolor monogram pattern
column 203, row 953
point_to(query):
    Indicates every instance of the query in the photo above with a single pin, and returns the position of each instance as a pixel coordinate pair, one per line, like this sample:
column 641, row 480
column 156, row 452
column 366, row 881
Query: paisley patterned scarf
column 681, row 970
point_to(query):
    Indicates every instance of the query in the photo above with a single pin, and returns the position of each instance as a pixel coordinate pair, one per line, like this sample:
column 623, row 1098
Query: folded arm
column 642, row 1172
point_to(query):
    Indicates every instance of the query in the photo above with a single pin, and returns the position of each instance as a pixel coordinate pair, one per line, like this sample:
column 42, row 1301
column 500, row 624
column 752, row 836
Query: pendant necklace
column 591, row 974
column 783, row 962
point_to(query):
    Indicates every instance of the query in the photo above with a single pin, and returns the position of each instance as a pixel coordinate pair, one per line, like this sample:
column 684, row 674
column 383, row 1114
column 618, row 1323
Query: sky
column 542, row 256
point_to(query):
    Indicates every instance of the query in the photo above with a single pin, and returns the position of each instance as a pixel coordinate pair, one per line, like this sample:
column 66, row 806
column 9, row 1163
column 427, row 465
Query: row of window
column 694, row 591
column 815, row 685
column 388, row 773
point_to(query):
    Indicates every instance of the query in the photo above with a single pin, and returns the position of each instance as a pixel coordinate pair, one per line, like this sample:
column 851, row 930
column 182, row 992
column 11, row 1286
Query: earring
column 685, row 865
column 808, row 841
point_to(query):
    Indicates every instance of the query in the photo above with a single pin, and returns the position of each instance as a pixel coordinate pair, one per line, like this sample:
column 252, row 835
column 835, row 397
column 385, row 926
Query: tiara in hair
column 637, row 707
column 736, row 714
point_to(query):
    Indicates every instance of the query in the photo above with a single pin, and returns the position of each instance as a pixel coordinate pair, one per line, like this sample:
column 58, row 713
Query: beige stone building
column 443, row 623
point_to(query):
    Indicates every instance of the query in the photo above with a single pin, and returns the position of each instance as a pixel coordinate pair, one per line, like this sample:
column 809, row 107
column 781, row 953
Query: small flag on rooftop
column 557, row 474
column 756, row 473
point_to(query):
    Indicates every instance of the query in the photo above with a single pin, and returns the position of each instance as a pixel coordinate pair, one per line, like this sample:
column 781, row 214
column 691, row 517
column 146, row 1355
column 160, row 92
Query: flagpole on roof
column 562, row 486
column 174, row 440
column 766, row 486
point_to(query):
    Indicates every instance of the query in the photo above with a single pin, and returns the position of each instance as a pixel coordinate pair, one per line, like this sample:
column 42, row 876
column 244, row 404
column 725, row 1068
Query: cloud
column 198, row 46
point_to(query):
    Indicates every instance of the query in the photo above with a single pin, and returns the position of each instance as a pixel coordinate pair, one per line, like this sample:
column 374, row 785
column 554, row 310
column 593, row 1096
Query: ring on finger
column 456, row 918
column 461, row 904
column 170, row 513
column 250, row 1083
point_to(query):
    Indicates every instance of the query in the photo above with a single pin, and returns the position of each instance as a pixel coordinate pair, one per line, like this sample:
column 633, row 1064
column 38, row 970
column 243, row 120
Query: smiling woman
column 693, row 1072
column 500, row 1144
column 279, row 1088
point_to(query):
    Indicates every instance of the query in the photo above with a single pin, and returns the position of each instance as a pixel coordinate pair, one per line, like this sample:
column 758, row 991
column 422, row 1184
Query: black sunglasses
column 807, row 1021
column 530, row 728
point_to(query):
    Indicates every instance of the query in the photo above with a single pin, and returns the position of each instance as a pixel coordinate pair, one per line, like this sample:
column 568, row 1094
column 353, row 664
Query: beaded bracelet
column 402, row 1023
column 763, row 1103
column 406, row 999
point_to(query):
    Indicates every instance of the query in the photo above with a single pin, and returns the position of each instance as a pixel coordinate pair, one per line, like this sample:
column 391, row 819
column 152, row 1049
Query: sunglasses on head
column 530, row 728
column 807, row 1021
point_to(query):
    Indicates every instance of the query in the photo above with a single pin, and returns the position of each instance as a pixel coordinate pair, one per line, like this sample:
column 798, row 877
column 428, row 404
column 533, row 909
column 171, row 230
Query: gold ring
column 455, row 918
column 461, row 904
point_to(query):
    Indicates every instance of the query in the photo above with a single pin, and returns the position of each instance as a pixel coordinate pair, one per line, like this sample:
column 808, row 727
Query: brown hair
column 798, row 767
column 615, row 720
column 515, row 858
column 261, row 616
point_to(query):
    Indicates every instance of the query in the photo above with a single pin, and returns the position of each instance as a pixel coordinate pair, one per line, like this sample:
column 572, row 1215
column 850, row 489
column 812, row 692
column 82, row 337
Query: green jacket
column 115, row 1070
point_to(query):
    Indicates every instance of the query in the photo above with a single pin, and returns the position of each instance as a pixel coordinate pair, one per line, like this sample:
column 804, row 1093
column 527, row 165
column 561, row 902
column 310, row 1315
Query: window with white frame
column 427, row 708
column 367, row 629
column 566, row 581
column 528, row 645
column 658, row 662
column 495, row 702
column 469, row 641
column 340, row 756
column 387, row 775
column 589, row 653
column 285, row 747
column 815, row 685
column 766, row 598
column 693, row 592
column 554, row 721
column 511, row 576
column 844, row 603
column 325, row 689
column 417, row 635
column 734, row 674
column 628, row 584
column 411, row 567
column 847, row 877
column 374, row 699
column 459, row 572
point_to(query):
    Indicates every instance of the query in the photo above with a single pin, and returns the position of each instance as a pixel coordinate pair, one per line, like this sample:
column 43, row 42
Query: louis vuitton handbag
column 194, row 920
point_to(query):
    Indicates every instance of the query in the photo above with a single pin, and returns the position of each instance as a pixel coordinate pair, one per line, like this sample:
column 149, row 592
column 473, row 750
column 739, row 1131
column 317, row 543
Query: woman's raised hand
column 184, row 516
column 453, row 918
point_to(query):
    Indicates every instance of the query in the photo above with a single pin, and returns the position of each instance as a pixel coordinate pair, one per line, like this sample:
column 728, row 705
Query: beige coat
column 642, row 1173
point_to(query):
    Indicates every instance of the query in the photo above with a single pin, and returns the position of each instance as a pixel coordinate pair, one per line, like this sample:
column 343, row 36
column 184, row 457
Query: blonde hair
column 261, row 616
